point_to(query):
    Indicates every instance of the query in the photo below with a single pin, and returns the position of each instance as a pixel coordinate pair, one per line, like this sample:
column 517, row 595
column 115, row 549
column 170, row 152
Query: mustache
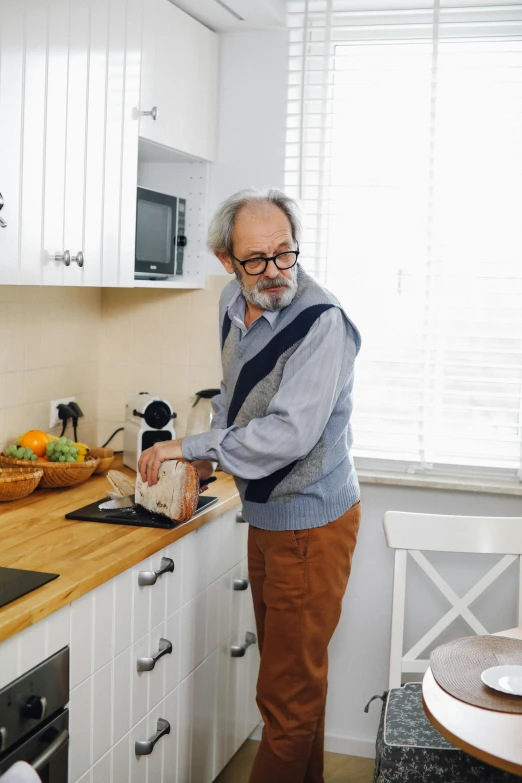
column 275, row 283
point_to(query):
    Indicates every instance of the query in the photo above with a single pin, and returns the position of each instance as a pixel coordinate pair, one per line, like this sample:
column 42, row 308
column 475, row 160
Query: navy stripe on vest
column 259, row 490
column 225, row 329
column 264, row 362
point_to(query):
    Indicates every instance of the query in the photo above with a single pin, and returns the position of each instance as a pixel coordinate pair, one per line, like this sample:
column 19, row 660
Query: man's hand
column 151, row 459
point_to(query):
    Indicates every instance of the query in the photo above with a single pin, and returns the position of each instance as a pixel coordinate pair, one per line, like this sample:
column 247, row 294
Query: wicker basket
column 106, row 457
column 16, row 483
column 56, row 474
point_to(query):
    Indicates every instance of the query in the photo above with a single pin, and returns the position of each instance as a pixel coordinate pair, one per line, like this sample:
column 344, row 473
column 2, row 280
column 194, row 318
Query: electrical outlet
column 54, row 409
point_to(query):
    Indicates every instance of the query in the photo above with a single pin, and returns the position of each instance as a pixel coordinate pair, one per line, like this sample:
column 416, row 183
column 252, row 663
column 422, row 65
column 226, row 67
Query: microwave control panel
column 181, row 237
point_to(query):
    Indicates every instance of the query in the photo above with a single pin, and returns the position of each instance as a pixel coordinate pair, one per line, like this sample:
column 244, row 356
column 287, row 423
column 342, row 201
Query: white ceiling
column 222, row 15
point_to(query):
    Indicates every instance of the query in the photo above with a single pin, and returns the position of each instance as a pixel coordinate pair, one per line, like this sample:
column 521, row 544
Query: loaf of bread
column 176, row 493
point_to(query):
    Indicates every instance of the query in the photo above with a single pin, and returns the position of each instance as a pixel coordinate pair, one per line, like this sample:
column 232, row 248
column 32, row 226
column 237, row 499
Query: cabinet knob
column 238, row 650
column 152, row 113
column 146, row 578
column 145, row 747
column 240, row 584
column 148, row 664
column 78, row 258
column 65, row 257
column 239, row 517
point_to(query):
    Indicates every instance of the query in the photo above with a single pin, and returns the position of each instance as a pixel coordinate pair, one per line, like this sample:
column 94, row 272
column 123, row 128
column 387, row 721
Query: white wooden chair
column 407, row 744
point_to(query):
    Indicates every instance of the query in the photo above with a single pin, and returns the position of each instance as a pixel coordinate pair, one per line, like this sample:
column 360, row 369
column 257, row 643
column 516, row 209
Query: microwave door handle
column 44, row 758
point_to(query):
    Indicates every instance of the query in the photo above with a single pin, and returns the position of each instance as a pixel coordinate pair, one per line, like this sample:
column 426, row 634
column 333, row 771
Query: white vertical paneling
column 185, row 725
column 58, row 630
column 140, row 680
column 102, row 712
column 33, row 646
column 33, row 136
column 113, row 142
column 170, row 748
column 173, row 634
column 129, row 153
column 140, row 602
column 55, row 142
column 95, row 146
column 175, row 552
column 121, row 761
column 158, row 593
column 76, row 135
column 103, row 628
column 155, row 760
column 138, row 764
column 204, row 721
column 122, row 674
column 122, row 611
column 156, row 677
column 80, row 746
column 101, row 772
column 81, row 639
column 11, row 94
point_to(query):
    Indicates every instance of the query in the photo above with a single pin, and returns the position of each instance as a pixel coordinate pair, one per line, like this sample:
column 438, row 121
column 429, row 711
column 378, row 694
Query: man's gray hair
column 219, row 239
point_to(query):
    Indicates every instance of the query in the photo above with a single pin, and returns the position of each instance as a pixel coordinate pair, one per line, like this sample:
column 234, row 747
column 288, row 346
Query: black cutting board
column 136, row 517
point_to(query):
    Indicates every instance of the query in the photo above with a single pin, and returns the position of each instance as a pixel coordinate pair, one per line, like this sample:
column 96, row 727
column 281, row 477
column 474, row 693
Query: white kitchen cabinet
column 179, row 80
column 69, row 92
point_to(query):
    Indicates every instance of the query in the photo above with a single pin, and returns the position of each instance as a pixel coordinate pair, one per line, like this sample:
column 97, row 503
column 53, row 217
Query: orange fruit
column 35, row 440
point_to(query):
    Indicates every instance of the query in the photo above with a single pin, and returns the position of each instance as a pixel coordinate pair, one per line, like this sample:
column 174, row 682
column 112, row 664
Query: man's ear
column 225, row 260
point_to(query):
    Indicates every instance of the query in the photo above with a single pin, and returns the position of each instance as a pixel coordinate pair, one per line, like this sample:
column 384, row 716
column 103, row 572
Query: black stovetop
column 14, row 583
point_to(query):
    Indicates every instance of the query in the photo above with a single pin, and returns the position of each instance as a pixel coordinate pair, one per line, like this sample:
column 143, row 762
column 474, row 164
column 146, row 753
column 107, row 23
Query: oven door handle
column 45, row 757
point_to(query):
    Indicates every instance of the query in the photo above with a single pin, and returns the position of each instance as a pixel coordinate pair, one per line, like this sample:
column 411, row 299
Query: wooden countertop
column 34, row 534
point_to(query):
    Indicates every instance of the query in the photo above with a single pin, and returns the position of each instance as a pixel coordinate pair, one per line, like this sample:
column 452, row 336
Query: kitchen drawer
column 148, row 687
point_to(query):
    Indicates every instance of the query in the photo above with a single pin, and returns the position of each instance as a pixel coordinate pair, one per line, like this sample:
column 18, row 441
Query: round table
column 493, row 737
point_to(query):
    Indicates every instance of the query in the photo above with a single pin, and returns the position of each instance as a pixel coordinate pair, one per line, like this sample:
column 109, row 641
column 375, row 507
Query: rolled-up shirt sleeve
column 298, row 413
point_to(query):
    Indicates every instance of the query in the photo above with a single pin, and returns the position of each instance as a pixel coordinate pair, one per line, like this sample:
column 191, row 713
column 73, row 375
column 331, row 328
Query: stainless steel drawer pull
column 150, row 577
column 239, row 517
column 51, row 750
column 65, row 257
column 152, row 113
column 146, row 747
column 238, row 650
column 78, row 258
column 147, row 664
column 3, row 224
column 240, row 584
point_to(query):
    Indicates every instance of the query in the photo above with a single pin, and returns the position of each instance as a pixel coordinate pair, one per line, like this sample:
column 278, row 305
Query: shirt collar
column 237, row 307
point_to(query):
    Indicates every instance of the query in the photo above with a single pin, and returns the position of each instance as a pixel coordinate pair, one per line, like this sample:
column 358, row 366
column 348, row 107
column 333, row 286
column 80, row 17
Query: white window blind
column 404, row 145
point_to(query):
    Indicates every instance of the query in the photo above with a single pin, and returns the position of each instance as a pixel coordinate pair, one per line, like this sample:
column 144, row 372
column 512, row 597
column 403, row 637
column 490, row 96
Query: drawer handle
column 152, row 113
column 239, row 517
column 78, row 258
column 65, row 257
column 150, row 577
column 147, row 664
column 238, row 650
column 240, row 584
column 145, row 747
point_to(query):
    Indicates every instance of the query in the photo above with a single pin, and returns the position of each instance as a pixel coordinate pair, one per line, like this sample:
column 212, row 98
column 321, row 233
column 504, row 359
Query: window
column 404, row 145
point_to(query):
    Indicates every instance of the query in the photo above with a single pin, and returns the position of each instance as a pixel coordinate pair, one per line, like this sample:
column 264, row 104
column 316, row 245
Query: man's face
column 263, row 230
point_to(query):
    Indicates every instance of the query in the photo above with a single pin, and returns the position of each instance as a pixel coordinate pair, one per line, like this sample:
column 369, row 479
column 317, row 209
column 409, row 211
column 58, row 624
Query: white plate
column 507, row 679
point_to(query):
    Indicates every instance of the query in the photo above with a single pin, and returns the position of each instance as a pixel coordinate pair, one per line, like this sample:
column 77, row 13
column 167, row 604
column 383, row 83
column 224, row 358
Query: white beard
column 270, row 302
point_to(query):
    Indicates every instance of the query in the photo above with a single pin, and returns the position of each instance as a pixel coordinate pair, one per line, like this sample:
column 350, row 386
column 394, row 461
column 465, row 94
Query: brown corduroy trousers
column 298, row 580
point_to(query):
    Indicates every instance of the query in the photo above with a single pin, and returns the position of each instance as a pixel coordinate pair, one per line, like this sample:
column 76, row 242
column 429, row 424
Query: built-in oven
column 160, row 235
column 34, row 719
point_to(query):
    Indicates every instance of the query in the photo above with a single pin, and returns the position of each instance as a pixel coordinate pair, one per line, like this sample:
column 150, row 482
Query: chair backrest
column 410, row 534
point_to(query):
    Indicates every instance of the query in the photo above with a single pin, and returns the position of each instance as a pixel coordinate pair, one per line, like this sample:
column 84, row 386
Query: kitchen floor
column 337, row 768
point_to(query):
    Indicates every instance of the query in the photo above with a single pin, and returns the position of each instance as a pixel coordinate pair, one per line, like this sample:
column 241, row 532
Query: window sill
column 459, row 483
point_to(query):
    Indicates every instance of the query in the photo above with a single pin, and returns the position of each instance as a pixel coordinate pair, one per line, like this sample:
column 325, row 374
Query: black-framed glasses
column 257, row 266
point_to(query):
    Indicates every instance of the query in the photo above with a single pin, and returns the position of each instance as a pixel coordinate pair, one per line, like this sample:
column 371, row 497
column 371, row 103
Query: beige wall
column 103, row 346
column 162, row 342
column 49, row 348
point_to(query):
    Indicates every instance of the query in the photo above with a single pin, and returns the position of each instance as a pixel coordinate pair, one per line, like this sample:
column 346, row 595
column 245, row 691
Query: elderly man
column 282, row 429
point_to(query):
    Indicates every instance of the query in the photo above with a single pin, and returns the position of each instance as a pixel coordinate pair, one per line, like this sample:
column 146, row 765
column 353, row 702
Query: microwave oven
column 160, row 235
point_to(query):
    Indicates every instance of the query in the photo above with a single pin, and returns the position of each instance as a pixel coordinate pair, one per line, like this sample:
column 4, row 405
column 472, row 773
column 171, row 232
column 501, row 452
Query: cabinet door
column 180, row 77
column 204, row 721
column 11, row 97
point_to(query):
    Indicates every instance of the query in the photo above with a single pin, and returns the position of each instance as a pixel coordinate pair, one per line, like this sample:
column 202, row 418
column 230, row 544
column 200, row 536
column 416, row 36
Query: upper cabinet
column 69, row 93
column 179, row 85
